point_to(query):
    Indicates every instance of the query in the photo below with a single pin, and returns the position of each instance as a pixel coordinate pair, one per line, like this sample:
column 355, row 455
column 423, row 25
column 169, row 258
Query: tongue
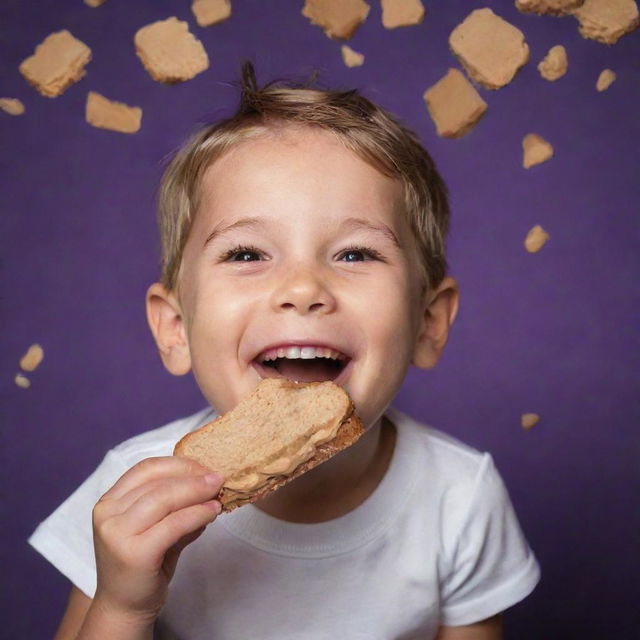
column 315, row 370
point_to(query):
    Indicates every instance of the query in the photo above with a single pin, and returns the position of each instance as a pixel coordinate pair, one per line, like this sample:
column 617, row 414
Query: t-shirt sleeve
column 65, row 538
column 491, row 566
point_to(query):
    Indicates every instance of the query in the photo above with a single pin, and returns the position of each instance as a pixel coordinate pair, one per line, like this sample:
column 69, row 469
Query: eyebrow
column 252, row 223
column 363, row 223
column 350, row 223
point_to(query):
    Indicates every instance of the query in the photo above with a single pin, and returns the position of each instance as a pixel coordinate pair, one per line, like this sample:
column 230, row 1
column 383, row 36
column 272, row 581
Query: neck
column 338, row 485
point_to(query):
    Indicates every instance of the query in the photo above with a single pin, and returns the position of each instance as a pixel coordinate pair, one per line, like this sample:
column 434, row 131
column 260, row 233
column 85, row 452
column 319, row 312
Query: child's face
column 293, row 244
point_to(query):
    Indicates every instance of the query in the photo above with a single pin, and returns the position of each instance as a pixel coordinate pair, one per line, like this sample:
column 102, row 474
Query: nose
column 304, row 290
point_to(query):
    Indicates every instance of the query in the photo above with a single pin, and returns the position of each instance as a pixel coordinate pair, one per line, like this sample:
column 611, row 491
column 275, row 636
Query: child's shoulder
column 441, row 459
column 160, row 441
column 434, row 441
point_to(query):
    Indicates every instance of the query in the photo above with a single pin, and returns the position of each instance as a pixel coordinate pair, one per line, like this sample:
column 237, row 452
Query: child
column 309, row 219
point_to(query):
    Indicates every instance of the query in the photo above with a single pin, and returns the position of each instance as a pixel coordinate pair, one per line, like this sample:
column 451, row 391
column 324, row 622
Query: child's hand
column 140, row 527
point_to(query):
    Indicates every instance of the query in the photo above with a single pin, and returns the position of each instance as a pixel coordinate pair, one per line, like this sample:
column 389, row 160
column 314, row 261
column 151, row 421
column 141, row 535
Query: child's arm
column 140, row 527
column 489, row 629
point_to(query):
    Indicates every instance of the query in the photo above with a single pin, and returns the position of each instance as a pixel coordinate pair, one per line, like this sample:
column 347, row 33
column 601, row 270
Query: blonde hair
column 368, row 130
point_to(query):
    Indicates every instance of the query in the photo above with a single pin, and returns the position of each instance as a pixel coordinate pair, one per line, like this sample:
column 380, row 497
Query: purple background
column 555, row 333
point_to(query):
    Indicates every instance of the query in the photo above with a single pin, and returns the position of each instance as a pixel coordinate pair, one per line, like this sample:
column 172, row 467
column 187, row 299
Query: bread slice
column 280, row 431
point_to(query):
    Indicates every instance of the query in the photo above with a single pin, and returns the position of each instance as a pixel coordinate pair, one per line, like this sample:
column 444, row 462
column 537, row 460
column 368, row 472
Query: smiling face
column 297, row 243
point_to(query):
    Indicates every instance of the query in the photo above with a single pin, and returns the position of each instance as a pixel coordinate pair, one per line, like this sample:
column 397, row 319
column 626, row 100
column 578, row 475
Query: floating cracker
column 210, row 12
column 454, row 105
column 338, row 18
column 529, row 420
column 552, row 7
column 109, row 114
column 22, row 381
column 32, row 359
column 94, row 3
column 605, row 79
column 489, row 48
column 169, row 52
column 58, row 61
column 12, row 106
column 350, row 57
column 536, row 239
column 401, row 13
column 607, row 20
column 535, row 150
column 555, row 63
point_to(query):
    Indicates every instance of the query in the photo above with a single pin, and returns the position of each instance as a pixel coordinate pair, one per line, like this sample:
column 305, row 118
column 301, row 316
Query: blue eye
column 361, row 252
column 240, row 254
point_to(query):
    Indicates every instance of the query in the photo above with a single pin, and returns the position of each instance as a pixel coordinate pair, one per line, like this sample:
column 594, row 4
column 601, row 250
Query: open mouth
column 304, row 370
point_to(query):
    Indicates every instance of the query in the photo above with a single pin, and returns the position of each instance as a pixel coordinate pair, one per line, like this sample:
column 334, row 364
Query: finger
column 122, row 504
column 164, row 498
column 153, row 469
column 174, row 531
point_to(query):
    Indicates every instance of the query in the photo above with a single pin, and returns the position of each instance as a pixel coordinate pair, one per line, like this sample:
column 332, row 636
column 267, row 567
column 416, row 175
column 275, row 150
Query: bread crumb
column 490, row 49
column 109, row 114
column 535, row 150
column 338, row 18
column 454, row 105
column 605, row 79
column 552, row 7
column 401, row 13
column 555, row 63
column 350, row 57
column 57, row 62
column 12, row 106
column 169, row 52
column 22, row 381
column 94, row 3
column 536, row 239
column 529, row 420
column 32, row 358
column 210, row 12
column 607, row 20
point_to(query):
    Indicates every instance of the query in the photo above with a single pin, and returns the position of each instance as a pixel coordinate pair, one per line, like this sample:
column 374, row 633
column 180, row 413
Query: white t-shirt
column 437, row 542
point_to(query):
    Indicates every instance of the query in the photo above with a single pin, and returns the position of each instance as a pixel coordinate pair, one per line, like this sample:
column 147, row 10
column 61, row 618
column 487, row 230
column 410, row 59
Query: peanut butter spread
column 252, row 481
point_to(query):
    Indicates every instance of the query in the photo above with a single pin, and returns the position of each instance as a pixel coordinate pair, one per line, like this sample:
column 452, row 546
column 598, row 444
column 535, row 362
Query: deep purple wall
column 551, row 333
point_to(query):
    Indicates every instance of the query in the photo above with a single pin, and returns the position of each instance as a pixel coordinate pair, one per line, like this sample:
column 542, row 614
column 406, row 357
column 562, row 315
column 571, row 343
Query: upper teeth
column 306, row 353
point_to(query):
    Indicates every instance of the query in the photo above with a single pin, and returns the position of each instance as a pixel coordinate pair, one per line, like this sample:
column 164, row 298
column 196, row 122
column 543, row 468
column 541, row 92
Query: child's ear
column 439, row 312
column 164, row 314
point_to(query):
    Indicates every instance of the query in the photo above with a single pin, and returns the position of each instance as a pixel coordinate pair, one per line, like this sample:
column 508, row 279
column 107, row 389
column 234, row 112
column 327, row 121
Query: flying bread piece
column 529, row 420
column 489, row 48
column 555, row 64
column 210, row 12
column 551, row 7
column 535, row 150
column 454, row 105
column 114, row 116
column 31, row 360
column 607, row 20
column 280, row 431
column 22, row 381
column 169, row 52
column 401, row 13
column 536, row 239
column 94, row 3
column 605, row 79
column 58, row 61
column 338, row 18
column 350, row 57
column 12, row 106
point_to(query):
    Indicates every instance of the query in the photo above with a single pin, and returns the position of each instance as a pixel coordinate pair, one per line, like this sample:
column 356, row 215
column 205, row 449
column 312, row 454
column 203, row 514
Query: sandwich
column 280, row 431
